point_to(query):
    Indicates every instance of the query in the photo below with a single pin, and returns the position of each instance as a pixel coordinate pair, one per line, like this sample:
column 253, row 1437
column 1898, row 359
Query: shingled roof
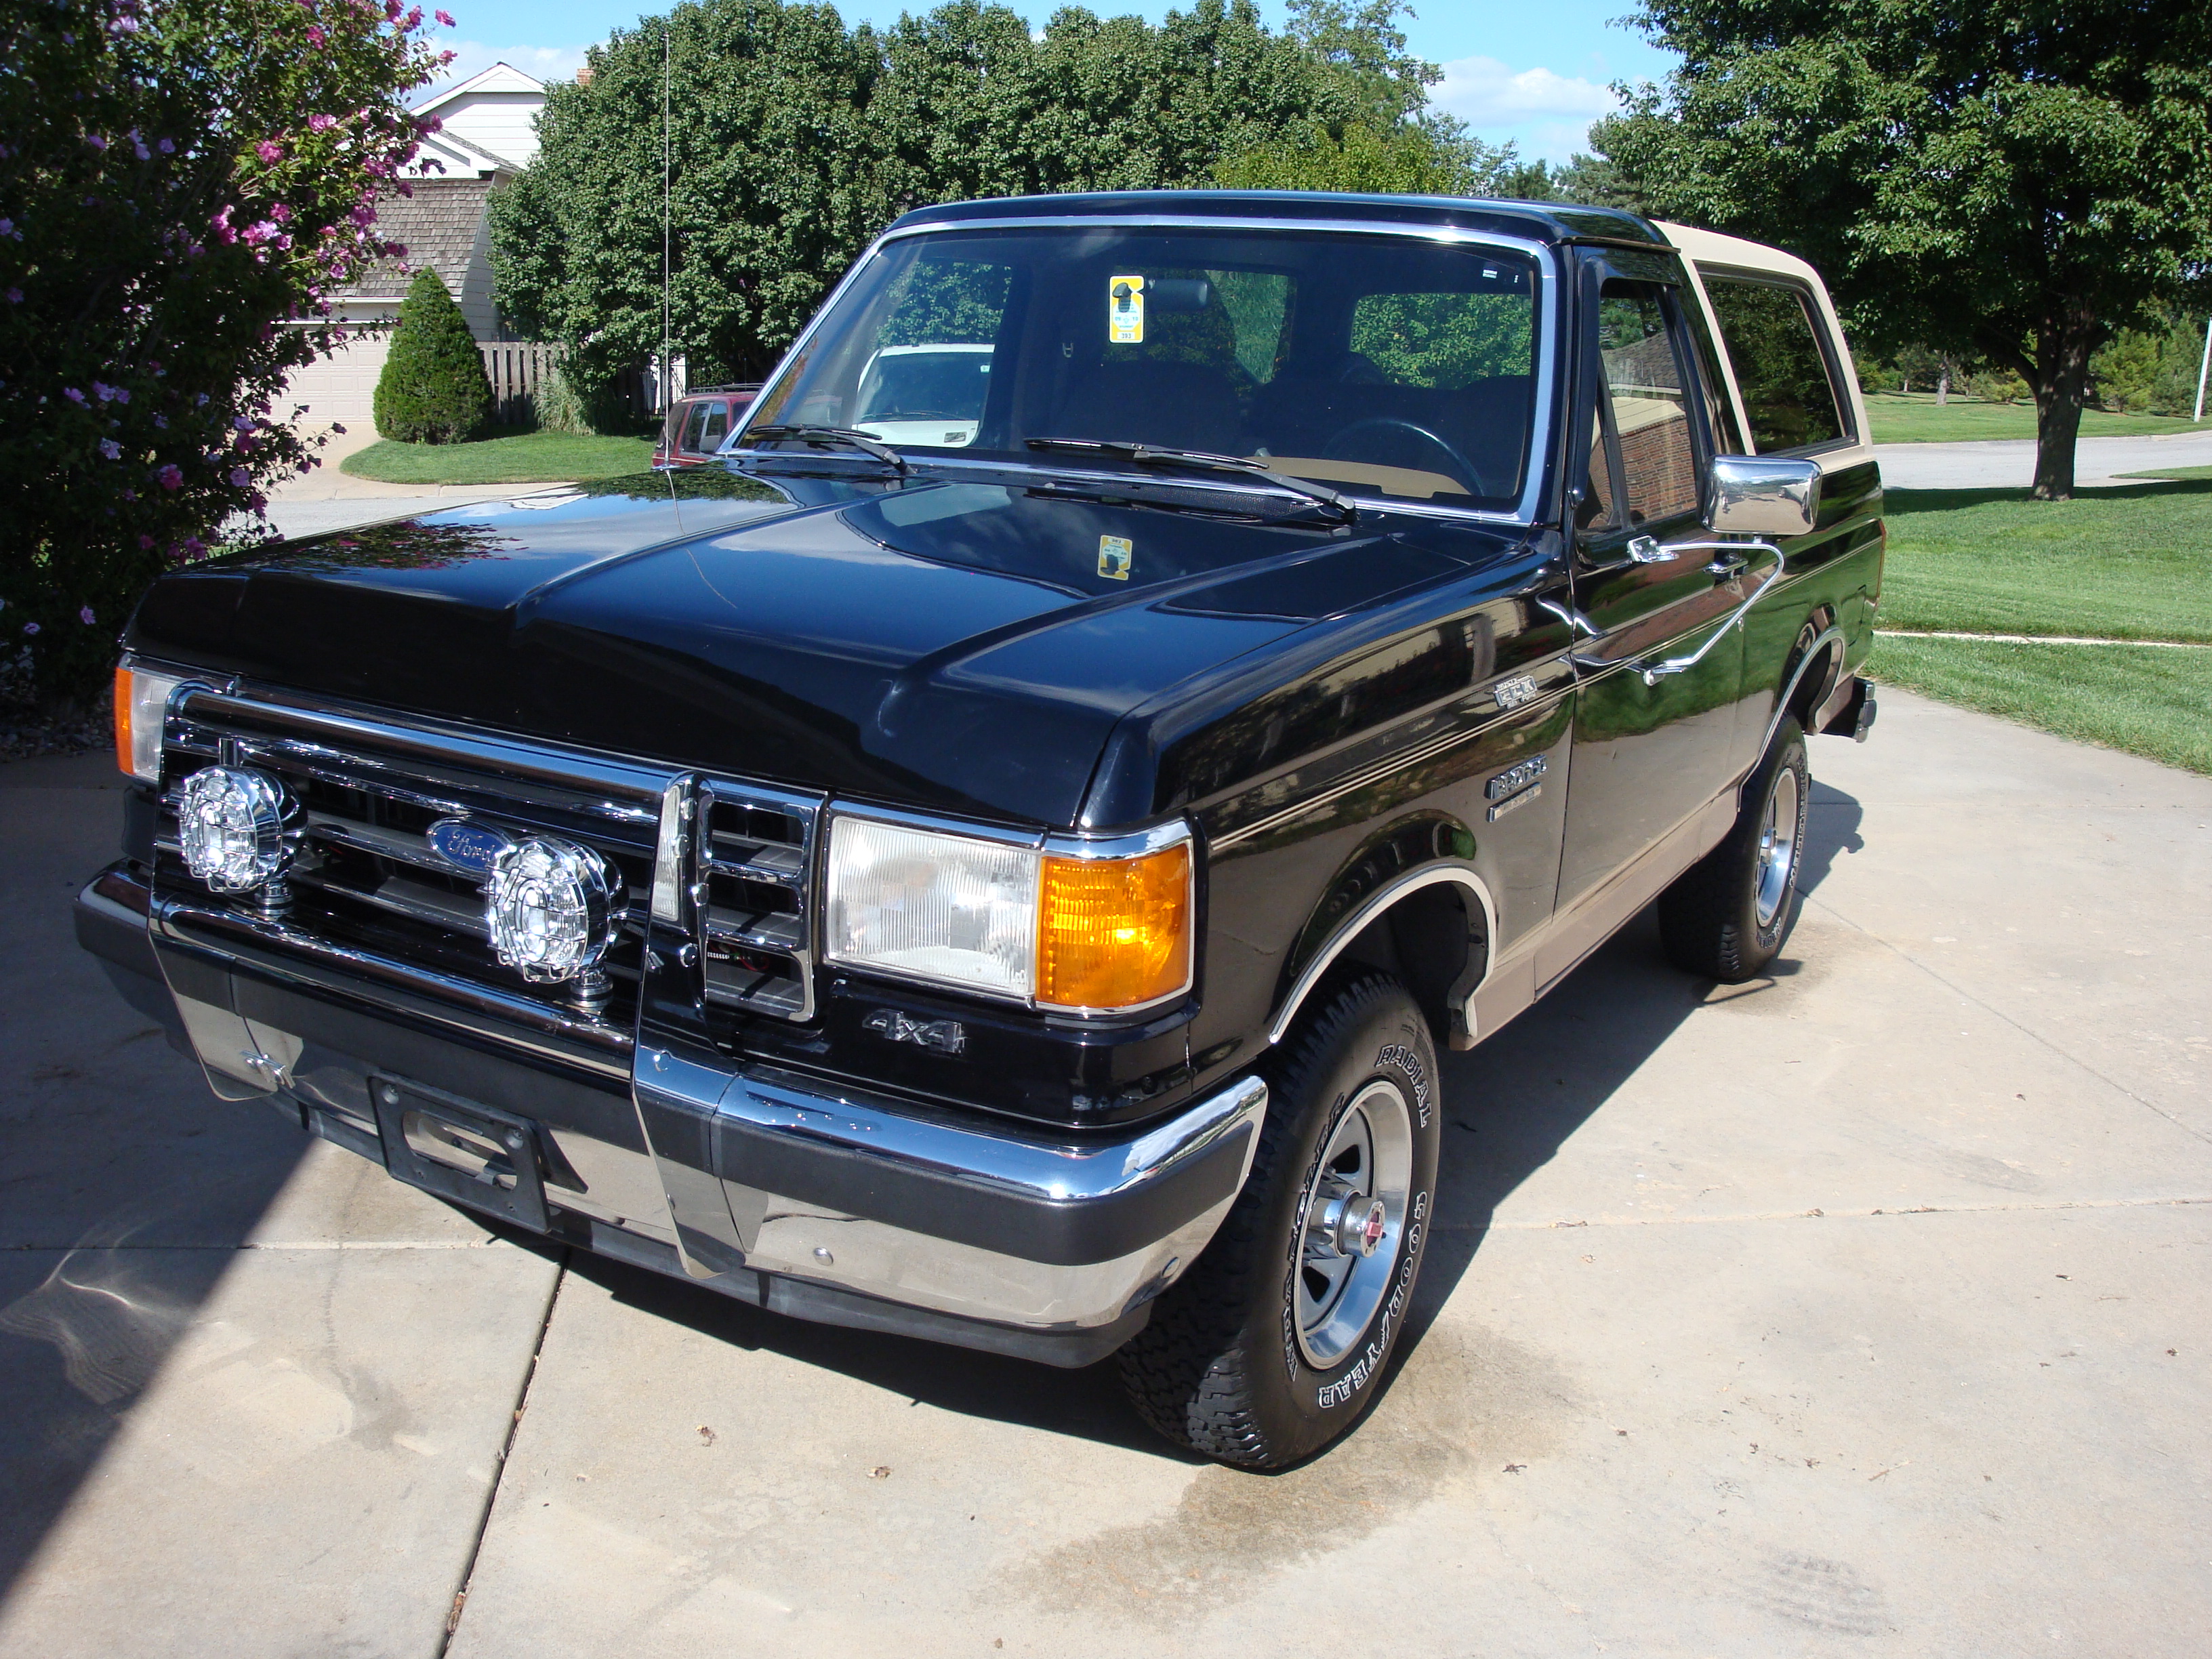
column 437, row 226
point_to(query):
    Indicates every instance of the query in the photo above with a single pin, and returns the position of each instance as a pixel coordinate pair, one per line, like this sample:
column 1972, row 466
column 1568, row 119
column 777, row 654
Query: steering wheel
column 1461, row 467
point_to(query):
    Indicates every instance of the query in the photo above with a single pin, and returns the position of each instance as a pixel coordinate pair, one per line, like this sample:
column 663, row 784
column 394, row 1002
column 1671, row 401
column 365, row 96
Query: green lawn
column 1916, row 418
column 527, row 457
column 2173, row 472
column 2146, row 701
column 2129, row 563
column 2134, row 563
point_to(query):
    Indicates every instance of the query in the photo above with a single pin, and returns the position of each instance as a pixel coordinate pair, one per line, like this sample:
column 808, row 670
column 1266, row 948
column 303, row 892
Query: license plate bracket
column 475, row 1155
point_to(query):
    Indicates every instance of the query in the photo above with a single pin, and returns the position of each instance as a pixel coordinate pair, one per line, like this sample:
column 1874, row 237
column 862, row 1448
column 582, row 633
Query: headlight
column 1019, row 921
column 231, row 827
column 549, row 908
column 142, row 702
column 945, row 908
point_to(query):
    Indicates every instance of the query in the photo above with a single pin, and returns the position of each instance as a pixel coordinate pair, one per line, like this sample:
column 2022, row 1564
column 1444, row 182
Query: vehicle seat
column 1486, row 420
column 1180, row 405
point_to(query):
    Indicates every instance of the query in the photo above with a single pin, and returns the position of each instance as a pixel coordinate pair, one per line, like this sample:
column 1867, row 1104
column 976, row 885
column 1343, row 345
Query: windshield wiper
column 1205, row 461
column 832, row 435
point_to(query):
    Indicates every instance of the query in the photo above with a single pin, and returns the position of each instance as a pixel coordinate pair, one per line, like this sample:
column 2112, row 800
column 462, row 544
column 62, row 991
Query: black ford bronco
column 995, row 856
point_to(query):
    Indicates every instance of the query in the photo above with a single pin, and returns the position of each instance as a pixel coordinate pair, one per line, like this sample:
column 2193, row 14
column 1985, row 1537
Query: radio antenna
column 667, row 79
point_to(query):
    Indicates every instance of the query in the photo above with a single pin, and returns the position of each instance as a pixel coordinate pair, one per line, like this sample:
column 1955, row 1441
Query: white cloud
column 474, row 58
column 1547, row 113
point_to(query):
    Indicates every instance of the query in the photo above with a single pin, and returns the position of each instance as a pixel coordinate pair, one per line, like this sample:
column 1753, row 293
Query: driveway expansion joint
column 499, row 1469
column 2030, row 1032
column 1822, row 1214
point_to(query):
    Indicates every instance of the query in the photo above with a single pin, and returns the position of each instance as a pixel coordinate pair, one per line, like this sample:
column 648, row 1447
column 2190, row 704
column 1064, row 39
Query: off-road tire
column 1710, row 919
column 1220, row 1368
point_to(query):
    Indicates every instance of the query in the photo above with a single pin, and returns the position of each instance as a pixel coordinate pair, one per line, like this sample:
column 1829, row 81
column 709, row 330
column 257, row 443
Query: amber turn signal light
column 142, row 706
column 123, row 755
column 1114, row 932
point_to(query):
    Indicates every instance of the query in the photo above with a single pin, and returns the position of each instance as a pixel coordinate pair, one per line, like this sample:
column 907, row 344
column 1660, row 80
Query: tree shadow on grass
column 1897, row 503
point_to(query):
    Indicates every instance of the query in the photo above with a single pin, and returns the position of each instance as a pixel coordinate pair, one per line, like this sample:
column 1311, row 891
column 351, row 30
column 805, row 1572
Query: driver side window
column 1643, row 405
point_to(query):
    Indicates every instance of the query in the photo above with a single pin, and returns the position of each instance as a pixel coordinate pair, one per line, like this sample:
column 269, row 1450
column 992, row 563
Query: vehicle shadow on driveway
column 1085, row 1403
column 124, row 1186
column 1509, row 1105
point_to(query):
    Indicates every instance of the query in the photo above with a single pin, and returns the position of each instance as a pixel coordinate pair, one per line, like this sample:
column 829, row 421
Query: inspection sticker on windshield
column 1125, row 310
column 1115, row 553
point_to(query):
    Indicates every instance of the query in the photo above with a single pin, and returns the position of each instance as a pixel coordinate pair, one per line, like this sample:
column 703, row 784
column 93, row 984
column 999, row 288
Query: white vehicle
column 927, row 395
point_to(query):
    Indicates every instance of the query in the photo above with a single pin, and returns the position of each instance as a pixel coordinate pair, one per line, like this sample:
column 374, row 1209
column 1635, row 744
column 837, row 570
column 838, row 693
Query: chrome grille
column 752, row 890
column 366, row 875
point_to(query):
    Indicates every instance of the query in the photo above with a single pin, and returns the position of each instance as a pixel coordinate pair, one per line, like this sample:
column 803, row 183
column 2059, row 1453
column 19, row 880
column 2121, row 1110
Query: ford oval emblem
column 474, row 848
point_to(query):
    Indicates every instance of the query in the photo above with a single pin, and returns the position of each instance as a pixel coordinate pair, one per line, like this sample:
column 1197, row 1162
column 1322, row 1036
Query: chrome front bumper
column 788, row 1191
column 864, row 1192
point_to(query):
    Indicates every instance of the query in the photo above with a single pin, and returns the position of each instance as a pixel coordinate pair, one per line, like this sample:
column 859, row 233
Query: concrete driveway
column 1862, row 1309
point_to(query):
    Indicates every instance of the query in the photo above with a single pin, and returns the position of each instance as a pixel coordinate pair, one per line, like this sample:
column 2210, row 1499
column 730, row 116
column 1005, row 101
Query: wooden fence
column 517, row 367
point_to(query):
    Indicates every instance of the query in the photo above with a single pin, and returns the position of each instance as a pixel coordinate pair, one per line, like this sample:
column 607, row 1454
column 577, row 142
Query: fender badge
column 474, row 848
column 1516, row 776
column 1514, row 803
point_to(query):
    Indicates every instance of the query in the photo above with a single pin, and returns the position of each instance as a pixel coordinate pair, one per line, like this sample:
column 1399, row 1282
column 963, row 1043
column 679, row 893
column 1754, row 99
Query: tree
column 796, row 141
column 1585, row 181
column 2005, row 181
column 773, row 191
column 180, row 183
column 433, row 389
column 1403, row 160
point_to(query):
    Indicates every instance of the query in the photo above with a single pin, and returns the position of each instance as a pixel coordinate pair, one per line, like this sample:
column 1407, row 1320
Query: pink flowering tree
column 181, row 184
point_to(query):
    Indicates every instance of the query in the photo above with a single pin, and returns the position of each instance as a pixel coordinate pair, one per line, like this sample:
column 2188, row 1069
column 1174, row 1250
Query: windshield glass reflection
column 1382, row 365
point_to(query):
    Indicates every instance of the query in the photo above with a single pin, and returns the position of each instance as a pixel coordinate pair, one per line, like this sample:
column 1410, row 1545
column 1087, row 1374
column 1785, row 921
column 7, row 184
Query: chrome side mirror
column 1754, row 495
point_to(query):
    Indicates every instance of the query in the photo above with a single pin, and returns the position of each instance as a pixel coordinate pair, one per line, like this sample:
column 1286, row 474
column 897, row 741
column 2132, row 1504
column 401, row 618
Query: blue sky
column 1536, row 74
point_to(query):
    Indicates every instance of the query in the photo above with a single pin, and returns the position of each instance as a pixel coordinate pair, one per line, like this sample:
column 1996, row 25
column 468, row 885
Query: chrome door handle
column 1577, row 623
column 1729, row 566
column 1575, row 620
column 1678, row 665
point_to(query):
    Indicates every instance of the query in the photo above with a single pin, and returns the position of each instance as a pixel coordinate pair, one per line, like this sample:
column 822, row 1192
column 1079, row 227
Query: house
column 488, row 134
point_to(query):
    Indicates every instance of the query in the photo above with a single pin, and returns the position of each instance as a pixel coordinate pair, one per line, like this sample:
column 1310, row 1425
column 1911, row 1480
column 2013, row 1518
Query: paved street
column 1862, row 1309
column 2010, row 463
column 327, row 500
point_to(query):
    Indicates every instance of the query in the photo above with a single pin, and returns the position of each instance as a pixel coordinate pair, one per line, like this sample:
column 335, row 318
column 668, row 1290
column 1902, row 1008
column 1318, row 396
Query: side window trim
column 1715, row 364
column 1816, row 319
column 1668, row 284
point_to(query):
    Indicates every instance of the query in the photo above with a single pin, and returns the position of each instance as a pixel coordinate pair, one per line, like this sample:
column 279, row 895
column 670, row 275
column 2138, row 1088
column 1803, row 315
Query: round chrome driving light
column 231, row 825
column 549, row 909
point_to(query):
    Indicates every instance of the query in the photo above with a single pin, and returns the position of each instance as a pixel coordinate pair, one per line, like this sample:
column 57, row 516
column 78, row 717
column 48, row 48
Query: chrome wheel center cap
column 1372, row 1224
column 1355, row 1224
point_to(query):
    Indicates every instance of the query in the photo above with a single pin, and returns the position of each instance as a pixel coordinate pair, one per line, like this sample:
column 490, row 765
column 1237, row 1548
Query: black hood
column 968, row 647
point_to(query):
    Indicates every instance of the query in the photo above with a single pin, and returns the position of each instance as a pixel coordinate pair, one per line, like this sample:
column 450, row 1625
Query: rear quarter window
column 1774, row 339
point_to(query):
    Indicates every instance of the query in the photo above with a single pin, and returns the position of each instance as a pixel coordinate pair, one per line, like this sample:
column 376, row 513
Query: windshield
column 1380, row 365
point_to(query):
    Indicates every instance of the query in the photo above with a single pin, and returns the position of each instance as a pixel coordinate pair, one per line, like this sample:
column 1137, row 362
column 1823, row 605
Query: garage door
column 341, row 387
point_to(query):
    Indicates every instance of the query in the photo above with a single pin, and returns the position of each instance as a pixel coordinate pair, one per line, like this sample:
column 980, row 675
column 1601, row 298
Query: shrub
column 2150, row 369
column 180, row 184
column 434, row 389
column 559, row 407
column 1998, row 385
